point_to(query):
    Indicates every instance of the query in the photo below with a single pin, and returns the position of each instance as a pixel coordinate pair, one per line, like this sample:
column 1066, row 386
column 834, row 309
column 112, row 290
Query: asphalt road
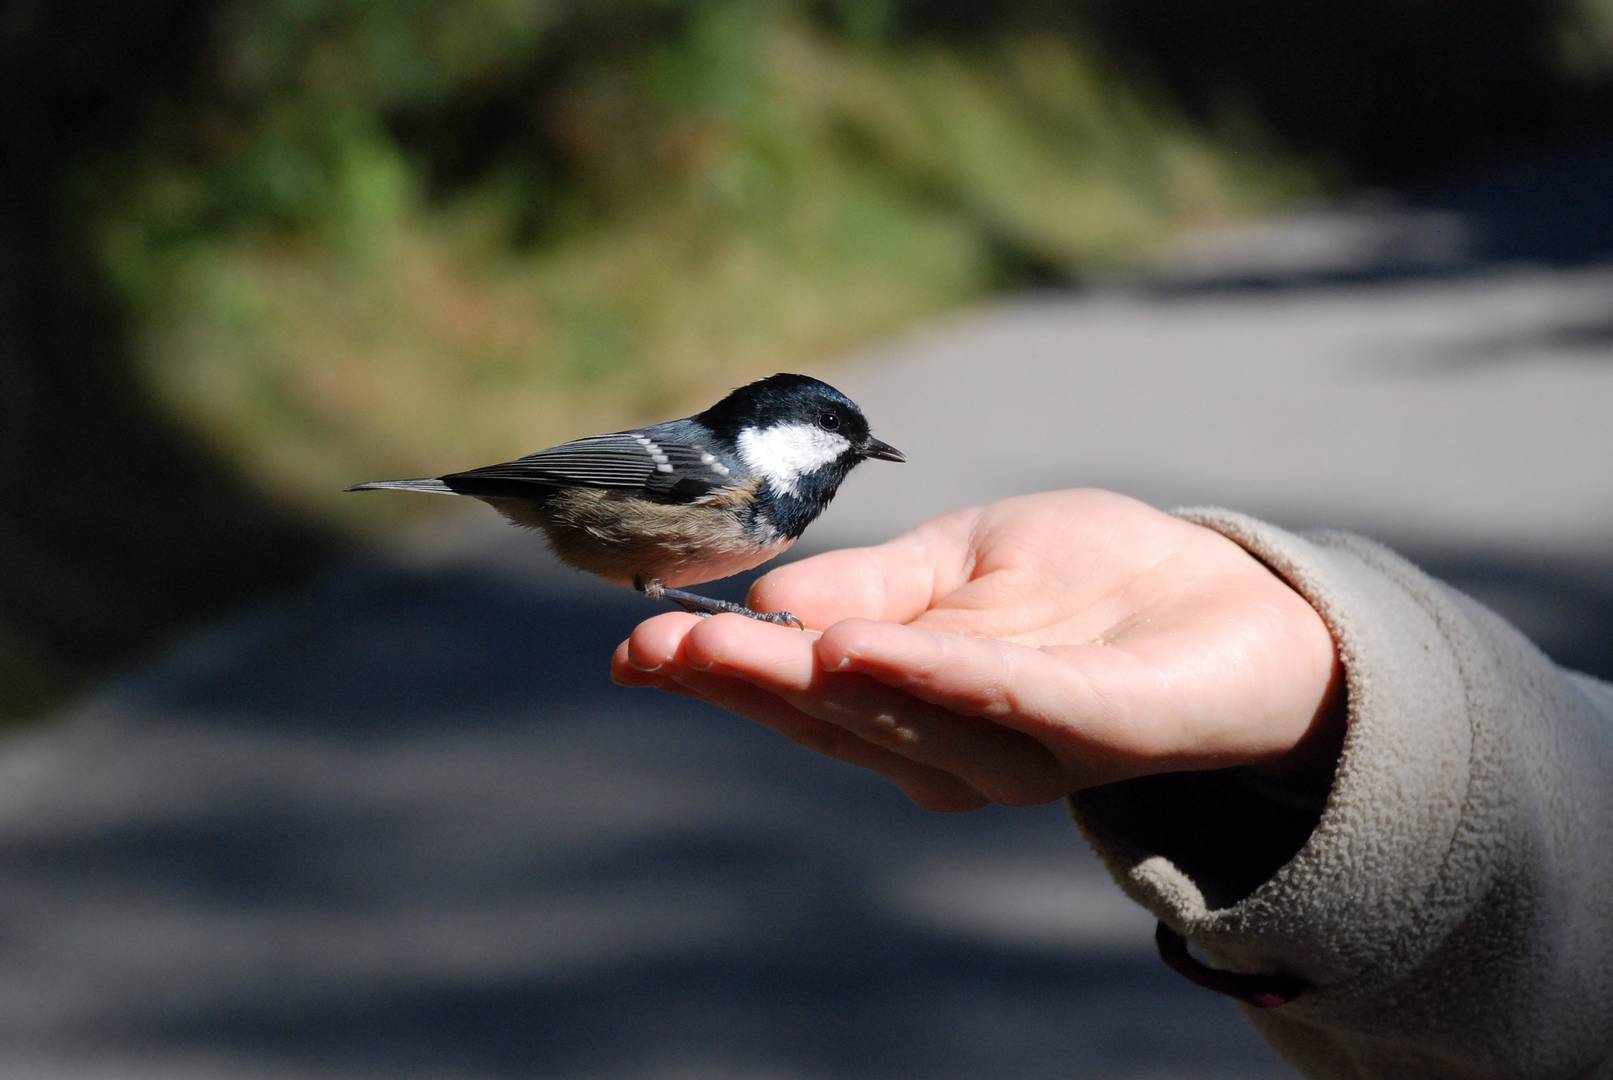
column 401, row 824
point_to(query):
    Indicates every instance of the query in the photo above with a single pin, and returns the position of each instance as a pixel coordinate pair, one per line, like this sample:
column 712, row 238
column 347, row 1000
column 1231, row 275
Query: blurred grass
column 749, row 192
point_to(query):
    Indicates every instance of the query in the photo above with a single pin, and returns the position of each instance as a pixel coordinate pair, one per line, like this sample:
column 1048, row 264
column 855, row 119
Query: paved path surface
column 402, row 825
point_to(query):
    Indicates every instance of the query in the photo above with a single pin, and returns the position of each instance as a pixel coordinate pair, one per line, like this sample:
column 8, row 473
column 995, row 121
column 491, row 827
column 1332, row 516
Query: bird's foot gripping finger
column 705, row 605
column 777, row 618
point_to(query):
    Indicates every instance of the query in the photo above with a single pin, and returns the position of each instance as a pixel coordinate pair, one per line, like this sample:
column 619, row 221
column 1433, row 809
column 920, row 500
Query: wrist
column 1309, row 753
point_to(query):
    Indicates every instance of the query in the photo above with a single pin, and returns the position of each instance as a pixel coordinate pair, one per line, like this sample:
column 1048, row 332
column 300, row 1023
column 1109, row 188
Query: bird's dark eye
column 828, row 421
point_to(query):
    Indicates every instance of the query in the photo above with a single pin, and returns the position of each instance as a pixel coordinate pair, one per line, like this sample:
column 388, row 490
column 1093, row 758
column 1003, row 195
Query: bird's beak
column 884, row 451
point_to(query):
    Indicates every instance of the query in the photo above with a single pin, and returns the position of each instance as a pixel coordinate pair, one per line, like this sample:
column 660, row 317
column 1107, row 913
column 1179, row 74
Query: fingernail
column 648, row 669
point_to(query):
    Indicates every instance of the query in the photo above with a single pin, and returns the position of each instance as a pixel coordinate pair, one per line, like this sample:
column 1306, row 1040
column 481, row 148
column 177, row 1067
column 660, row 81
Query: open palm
column 1017, row 652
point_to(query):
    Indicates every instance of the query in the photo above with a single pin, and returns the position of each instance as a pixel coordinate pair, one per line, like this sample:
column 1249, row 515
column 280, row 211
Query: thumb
column 894, row 582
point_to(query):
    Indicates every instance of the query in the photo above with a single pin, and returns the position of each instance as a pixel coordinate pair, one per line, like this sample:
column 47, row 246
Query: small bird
column 685, row 501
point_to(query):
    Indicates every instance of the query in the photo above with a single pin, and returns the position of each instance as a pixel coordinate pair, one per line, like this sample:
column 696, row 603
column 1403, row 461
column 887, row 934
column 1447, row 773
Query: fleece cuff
column 1340, row 900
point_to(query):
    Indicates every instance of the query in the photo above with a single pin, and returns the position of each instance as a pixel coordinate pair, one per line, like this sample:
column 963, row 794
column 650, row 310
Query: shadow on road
column 405, row 824
column 1551, row 214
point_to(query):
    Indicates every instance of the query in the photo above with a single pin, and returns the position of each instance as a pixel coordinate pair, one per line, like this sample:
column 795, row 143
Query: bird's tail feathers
column 435, row 487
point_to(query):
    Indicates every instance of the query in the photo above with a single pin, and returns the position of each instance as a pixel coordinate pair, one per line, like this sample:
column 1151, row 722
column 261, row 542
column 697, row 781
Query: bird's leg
column 705, row 605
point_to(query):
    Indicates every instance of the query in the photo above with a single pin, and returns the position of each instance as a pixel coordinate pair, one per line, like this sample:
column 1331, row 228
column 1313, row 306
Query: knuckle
column 887, row 730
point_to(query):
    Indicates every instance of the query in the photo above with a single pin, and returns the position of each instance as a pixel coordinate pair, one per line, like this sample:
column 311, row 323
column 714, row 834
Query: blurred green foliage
column 255, row 249
column 390, row 218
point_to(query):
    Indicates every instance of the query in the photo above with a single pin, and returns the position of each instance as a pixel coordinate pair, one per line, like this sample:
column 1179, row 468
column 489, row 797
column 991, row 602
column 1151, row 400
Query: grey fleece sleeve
column 1450, row 905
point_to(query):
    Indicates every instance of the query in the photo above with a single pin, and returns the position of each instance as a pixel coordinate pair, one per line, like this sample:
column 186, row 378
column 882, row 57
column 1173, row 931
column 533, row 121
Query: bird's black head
column 800, row 437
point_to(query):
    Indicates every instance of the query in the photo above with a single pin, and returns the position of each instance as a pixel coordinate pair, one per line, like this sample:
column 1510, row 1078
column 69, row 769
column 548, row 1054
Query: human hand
column 1017, row 652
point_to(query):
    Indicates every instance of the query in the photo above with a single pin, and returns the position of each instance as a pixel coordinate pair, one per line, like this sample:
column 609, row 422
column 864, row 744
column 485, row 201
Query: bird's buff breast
column 621, row 539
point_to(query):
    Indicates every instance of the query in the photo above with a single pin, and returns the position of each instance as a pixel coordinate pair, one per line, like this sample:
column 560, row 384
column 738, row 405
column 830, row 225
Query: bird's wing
column 649, row 460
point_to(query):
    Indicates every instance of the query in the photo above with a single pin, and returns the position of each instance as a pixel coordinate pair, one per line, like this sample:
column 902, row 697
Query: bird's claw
column 779, row 618
column 705, row 606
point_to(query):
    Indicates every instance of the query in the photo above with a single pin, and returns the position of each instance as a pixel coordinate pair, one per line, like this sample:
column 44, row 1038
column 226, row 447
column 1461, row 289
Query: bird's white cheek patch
column 782, row 455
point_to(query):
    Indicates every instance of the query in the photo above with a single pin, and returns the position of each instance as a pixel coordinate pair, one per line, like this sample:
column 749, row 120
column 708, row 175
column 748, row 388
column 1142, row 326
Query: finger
column 623, row 673
column 1080, row 715
column 1002, row 764
column 1005, row 765
column 654, row 654
column 894, row 581
column 931, row 789
column 653, row 644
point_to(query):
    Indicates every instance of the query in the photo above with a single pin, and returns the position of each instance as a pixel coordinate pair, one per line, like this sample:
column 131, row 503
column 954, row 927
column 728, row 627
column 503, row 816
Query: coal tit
column 688, row 500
